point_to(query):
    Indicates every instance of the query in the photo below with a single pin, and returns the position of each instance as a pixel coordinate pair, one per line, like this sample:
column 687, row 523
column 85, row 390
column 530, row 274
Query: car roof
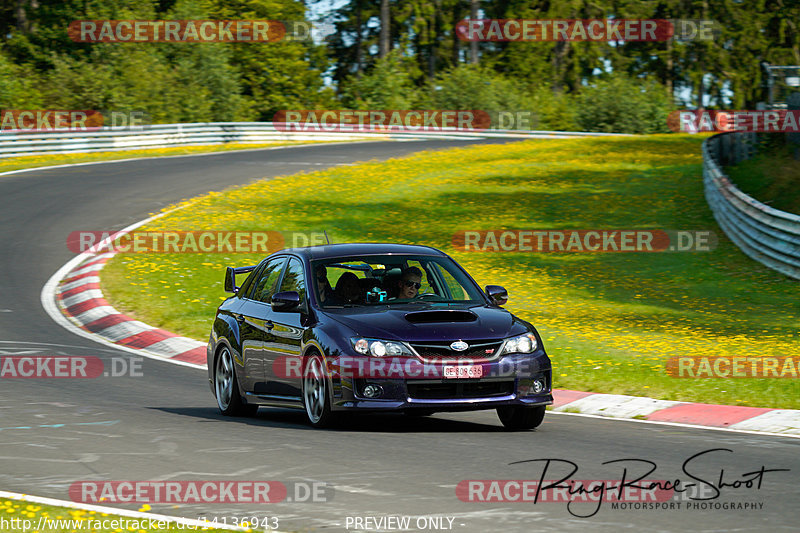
column 329, row 251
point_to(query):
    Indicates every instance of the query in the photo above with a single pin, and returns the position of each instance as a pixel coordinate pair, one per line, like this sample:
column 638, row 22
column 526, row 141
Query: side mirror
column 285, row 301
column 497, row 294
column 230, row 280
column 230, row 277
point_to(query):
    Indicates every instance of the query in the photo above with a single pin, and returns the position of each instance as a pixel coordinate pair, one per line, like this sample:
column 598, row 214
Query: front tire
column 316, row 397
column 226, row 387
column 518, row 418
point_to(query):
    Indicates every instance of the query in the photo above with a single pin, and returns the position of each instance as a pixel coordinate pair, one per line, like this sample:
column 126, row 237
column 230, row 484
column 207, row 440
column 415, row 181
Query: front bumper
column 506, row 381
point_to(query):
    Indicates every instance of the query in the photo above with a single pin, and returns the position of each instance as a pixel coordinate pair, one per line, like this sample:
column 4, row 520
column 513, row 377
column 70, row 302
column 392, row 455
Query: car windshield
column 356, row 281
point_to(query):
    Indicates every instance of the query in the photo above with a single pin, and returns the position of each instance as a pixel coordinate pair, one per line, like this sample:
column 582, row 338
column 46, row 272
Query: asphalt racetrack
column 164, row 425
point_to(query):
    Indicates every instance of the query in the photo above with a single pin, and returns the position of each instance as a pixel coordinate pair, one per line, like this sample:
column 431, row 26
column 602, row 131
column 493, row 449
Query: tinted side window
column 266, row 285
column 293, row 279
column 244, row 290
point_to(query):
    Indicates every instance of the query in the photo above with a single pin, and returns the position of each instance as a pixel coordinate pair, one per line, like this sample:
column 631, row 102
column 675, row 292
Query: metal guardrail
column 769, row 236
column 20, row 143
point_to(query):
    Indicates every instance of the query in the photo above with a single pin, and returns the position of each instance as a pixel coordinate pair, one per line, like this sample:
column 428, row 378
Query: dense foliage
column 601, row 86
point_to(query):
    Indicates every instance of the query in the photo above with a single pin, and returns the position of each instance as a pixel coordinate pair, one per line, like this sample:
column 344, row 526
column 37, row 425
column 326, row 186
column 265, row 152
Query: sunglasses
column 414, row 284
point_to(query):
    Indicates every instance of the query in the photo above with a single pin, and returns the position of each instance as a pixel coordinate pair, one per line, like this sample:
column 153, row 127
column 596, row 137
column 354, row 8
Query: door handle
column 268, row 324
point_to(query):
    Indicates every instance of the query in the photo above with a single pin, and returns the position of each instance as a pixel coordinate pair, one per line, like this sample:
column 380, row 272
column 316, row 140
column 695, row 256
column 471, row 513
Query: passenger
column 409, row 283
column 324, row 289
column 348, row 289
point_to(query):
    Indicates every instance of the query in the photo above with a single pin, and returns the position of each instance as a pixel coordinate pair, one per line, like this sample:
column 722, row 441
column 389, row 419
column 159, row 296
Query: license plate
column 463, row 371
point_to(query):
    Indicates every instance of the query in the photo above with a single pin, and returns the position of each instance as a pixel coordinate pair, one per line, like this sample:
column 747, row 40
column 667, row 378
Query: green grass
column 16, row 516
column 772, row 178
column 49, row 160
column 609, row 321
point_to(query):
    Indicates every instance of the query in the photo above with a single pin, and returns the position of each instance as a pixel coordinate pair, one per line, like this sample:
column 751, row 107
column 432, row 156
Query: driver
column 409, row 284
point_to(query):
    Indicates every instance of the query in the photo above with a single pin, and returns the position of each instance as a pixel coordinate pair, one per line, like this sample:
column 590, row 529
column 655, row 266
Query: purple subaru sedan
column 373, row 327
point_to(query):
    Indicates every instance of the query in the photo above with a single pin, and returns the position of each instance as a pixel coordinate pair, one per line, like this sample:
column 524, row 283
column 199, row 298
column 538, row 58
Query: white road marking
column 19, row 352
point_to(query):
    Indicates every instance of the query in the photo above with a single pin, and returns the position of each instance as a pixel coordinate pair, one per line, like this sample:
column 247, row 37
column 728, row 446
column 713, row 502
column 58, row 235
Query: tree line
column 397, row 54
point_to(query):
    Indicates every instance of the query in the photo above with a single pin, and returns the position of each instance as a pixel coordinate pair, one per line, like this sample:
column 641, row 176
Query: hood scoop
column 439, row 316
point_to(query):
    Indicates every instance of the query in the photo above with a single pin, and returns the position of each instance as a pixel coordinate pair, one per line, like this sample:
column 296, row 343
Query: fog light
column 538, row 386
column 372, row 391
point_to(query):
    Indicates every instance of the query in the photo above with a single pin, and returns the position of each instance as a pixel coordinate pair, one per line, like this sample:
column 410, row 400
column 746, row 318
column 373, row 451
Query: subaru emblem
column 459, row 346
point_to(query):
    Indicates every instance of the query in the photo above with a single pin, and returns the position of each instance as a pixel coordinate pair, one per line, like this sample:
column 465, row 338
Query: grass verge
column 772, row 178
column 610, row 321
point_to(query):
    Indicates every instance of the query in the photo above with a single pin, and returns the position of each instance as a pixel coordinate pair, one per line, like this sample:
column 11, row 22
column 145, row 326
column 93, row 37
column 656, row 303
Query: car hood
column 425, row 322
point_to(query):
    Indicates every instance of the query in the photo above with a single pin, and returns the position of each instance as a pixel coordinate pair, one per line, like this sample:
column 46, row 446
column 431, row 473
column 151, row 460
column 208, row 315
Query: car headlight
column 380, row 348
column 522, row 344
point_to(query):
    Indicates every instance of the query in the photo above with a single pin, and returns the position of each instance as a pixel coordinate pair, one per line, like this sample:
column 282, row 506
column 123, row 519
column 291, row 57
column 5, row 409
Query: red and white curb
column 81, row 301
column 73, row 299
column 784, row 422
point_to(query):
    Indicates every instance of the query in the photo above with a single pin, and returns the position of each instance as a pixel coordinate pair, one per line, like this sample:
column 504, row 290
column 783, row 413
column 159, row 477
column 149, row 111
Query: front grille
column 459, row 389
column 437, row 352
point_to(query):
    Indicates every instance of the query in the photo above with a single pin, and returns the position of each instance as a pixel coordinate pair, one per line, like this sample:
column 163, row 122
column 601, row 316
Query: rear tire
column 226, row 387
column 518, row 418
column 316, row 393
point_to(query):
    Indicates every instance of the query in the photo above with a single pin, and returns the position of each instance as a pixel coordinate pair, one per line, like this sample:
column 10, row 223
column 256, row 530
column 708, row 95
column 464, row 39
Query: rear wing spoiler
column 230, row 277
